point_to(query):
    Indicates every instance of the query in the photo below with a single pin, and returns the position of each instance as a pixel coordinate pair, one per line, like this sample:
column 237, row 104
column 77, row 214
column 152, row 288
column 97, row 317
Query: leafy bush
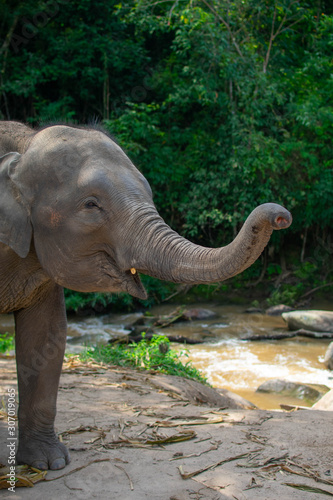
column 148, row 355
column 286, row 294
column 6, row 343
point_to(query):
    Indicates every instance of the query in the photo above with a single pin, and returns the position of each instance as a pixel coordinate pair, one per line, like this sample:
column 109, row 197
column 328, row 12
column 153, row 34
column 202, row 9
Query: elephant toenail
column 58, row 463
column 40, row 465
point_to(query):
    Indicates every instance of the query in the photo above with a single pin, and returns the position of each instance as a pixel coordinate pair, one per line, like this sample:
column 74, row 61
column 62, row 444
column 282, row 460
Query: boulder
column 198, row 393
column 254, row 310
column 198, row 313
column 314, row 321
column 233, row 400
column 293, row 389
column 324, row 403
column 137, row 331
column 328, row 360
column 278, row 310
column 140, row 321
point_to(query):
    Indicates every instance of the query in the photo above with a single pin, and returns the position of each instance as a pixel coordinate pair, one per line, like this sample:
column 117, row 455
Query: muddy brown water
column 226, row 361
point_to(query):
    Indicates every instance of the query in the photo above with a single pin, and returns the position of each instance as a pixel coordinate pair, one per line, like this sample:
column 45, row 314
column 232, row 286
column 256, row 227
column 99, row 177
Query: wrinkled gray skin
column 76, row 213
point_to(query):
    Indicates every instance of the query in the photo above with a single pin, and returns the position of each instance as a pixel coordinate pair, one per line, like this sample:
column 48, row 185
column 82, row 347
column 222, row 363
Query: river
column 227, row 362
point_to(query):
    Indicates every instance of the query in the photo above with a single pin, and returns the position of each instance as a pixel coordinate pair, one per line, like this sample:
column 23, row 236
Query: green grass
column 6, row 343
column 155, row 354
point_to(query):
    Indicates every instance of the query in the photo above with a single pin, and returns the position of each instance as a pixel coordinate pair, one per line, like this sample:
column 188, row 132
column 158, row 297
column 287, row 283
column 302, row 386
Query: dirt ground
column 136, row 435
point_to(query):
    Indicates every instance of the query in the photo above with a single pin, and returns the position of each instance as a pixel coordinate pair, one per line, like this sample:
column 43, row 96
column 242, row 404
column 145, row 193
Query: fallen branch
column 151, row 441
column 178, row 457
column 79, row 468
column 182, row 289
column 130, row 480
column 315, row 289
column 174, row 316
column 188, row 475
column 310, row 475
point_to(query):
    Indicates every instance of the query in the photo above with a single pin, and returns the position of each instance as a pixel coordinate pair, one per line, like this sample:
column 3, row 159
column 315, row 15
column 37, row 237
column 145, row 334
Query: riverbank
column 224, row 358
column 227, row 361
column 110, row 419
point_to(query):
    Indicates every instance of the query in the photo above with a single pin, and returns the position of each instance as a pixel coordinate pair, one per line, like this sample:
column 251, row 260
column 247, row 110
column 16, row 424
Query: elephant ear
column 15, row 225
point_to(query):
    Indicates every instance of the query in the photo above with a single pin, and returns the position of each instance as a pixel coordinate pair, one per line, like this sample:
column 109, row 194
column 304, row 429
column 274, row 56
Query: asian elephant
column 76, row 213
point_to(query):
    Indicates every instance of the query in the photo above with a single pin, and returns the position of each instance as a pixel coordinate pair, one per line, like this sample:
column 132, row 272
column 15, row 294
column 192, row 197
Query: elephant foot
column 42, row 454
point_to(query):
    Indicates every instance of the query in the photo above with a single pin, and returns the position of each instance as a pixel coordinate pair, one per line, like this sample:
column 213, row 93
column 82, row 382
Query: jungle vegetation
column 155, row 354
column 222, row 105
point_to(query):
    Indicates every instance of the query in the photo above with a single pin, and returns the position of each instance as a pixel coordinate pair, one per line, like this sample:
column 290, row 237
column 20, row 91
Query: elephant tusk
column 133, row 270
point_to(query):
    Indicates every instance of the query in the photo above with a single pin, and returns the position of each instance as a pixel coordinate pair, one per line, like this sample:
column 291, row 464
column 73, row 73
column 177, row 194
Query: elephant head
column 75, row 199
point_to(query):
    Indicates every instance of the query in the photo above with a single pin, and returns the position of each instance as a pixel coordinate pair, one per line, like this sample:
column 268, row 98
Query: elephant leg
column 40, row 344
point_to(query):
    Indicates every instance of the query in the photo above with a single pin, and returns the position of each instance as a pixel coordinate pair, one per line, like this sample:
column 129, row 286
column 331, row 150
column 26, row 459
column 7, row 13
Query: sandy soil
column 117, row 423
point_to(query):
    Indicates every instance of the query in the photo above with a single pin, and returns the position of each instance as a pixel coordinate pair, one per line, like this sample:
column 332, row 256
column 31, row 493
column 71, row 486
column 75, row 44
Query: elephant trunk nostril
column 282, row 222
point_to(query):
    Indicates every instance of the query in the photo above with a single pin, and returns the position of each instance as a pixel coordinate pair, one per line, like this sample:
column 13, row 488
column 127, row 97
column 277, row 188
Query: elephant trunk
column 160, row 252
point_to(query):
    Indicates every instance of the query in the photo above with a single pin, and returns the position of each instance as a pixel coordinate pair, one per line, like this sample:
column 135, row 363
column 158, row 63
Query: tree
column 223, row 105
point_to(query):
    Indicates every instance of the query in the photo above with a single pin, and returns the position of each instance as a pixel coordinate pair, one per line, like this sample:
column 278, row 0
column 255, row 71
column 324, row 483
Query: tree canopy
column 222, row 104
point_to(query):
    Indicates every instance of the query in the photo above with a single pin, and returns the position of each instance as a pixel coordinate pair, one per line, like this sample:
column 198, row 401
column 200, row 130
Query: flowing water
column 241, row 366
column 226, row 360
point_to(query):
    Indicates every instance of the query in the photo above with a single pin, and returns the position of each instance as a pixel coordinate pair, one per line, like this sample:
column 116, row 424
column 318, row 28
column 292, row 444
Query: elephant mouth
column 133, row 284
column 122, row 279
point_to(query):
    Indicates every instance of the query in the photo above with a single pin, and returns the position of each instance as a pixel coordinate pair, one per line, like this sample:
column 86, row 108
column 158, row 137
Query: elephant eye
column 90, row 204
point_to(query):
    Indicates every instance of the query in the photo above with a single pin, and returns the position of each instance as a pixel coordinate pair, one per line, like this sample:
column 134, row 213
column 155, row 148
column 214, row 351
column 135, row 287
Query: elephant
column 76, row 213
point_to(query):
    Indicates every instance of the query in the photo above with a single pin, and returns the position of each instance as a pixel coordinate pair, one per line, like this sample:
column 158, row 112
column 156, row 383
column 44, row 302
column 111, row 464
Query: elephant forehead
column 51, row 135
column 94, row 176
column 106, row 175
column 72, row 146
column 64, row 158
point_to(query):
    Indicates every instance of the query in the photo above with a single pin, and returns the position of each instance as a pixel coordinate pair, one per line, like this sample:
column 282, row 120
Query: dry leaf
column 25, row 476
column 175, row 422
column 310, row 489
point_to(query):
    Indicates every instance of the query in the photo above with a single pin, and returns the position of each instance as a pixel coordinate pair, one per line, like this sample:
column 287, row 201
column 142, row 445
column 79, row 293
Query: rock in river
column 315, row 321
column 292, row 389
column 198, row 313
column 278, row 310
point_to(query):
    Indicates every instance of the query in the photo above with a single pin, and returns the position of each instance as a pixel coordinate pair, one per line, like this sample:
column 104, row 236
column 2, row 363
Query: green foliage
column 148, row 355
column 157, row 291
column 6, row 343
column 286, row 294
column 61, row 56
column 100, row 302
column 222, row 105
